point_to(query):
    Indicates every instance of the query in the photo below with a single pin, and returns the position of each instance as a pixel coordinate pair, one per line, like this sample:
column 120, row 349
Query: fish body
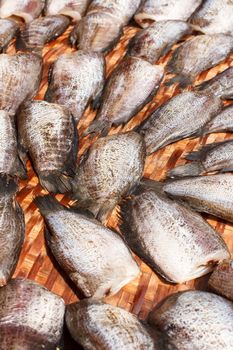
column 26, row 9
column 41, row 31
column 74, row 9
column 8, row 30
column 133, row 77
column 109, row 170
column 96, row 325
column 216, row 157
column 223, row 122
column 95, row 258
column 174, row 241
column 221, row 85
column 195, row 320
column 31, row 317
column 213, row 17
column 10, row 163
column 20, row 77
column 197, row 55
column 221, row 280
column 163, row 10
column 209, row 194
column 76, row 79
column 48, row 133
column 182, row 116
column 12, row 231
column 155, row 41
column 102, row 26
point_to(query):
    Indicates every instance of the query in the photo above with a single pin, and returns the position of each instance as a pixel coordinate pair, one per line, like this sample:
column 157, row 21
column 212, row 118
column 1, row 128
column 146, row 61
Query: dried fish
column 31, row 317
column 48, row 133
column 12, row 231
column 133, row 77
column 76, row 79
column 173, row 240
column 96, row 325
column 75, row 9
column 223, row 122
column 163, row 10
column 10, row 163
column 221, row 85
column 26, row 9
column 41, row 31
column 109, row 170
column 8, row 30
column 20, row 77
column 197, row 55
column 101, row 28
column 215, row 157
column 214, row 17
column 95, row 258
column 221, row 280
column 195, row 320
column 155, row 41
column 209, row 194
column 182, row 116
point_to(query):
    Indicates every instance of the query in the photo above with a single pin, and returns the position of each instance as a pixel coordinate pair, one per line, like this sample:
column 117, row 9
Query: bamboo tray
column 143, row 293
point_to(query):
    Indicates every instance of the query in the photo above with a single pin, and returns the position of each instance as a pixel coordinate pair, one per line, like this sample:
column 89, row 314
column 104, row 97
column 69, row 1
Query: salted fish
column 74, row 9
column 26, row 9
column 221, row 280
column 8, row 30
column 222, row 122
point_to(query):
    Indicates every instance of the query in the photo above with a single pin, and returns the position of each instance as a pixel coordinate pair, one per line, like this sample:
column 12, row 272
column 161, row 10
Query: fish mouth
column 144, row 19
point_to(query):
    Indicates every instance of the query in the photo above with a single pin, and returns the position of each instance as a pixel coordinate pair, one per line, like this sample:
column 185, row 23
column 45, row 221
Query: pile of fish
column 160, row 222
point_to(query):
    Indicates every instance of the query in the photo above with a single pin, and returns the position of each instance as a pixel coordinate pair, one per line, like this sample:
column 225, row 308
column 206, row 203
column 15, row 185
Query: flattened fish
column 195, row 320
column 197, row 55
column 26, row 9
column 215, row 157
column 96, row 325
column 48, row 133
column 133, row 77
column 95, row 258
column 76, row 79
column 221, row 280
column 10, row 163
column 12, row 231
column 211, row 194
column 163, row 10
column 101, row 28
column 174, row 241
column 72, row 8
column 214, row 16
column 20, row 77
column 182, row 116
column 223, row 122
column 8, row 30
column 41, row 31
column 155, row 41
column 221, row 85
column 31, row 317
column 109, row 170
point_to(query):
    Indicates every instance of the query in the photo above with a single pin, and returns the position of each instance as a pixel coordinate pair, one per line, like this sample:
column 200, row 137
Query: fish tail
column 187, row 170
column 47, row 204
column 152, row 184
column 101, row 127
column 56, row 182
column 7, row 185
column 181, row 79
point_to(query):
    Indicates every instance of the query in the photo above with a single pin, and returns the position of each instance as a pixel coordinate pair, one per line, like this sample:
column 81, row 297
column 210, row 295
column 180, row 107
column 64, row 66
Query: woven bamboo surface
column 34, row 263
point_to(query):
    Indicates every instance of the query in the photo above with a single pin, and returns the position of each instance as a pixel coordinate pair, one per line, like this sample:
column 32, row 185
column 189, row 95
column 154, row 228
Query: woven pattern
column 35, row 262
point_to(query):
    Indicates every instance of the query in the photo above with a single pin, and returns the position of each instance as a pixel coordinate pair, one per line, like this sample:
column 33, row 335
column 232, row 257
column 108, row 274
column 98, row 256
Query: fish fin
column 71, row 162
column 101, row 127
column 75, row 207
column 55, row 182
column 105, row 210
column 47, row 204
column 187, row 170
column 7, row 185
column 181, row 79
column 19, row 169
